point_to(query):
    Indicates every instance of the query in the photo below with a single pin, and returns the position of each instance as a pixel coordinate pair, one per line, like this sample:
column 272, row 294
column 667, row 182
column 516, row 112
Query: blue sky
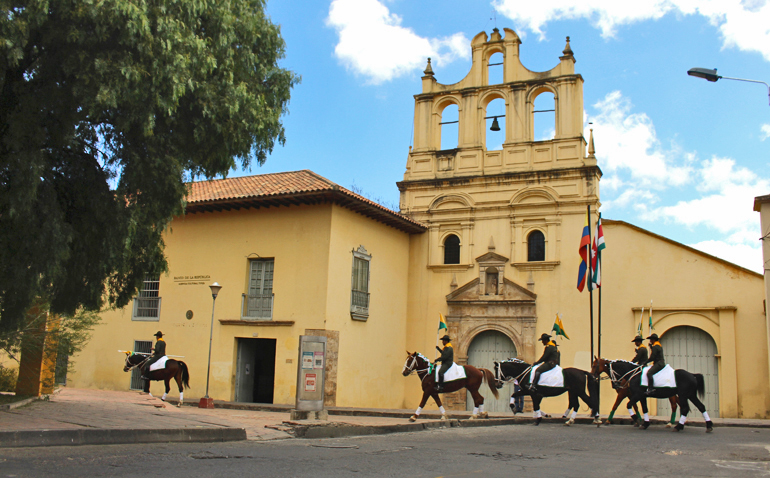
column 681, row 157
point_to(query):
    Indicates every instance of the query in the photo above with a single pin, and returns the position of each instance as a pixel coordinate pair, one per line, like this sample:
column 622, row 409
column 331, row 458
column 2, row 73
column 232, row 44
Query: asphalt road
column 520, row 450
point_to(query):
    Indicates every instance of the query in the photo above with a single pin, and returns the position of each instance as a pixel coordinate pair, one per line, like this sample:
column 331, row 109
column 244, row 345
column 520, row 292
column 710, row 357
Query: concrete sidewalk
column 83, row 417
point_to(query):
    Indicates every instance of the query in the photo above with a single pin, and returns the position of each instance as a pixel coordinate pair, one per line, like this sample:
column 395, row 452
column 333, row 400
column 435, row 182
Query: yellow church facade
column 487, row 237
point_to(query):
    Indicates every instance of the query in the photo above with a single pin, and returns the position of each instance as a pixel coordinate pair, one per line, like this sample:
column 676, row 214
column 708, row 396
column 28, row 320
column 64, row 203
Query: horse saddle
column 161, row 363
column 551, row 378
column 663, row 379
column 455, row 372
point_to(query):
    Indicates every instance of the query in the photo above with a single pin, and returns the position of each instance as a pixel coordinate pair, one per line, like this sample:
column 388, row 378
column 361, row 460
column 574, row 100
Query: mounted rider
column 157, row 353
column 658, row 362
column 641, row 351
column 549, row 360
column 447, row 359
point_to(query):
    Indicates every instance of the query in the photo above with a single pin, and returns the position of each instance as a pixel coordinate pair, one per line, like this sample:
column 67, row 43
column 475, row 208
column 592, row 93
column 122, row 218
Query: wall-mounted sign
column 318, row 360
column 307, row 360
column 189, row 314
column 195, row 279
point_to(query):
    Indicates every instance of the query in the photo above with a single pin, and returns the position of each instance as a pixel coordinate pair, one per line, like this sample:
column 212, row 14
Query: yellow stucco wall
column 311, row 246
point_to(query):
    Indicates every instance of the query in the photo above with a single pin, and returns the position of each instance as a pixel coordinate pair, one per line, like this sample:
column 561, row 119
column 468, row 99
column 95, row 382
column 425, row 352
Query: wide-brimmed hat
column 159, row 334
column 653, row 337
column 446, row 337
column 638, row 338
column 545, row 337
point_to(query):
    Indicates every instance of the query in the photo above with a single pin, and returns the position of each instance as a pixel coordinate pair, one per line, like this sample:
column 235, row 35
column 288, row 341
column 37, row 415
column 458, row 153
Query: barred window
column 259, row 301
column 359, row 295
column 452, row 250
column 535, row 246
column 147, row 303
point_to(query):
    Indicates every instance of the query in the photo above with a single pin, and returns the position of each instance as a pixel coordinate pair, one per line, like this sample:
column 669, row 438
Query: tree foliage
column 106, row 108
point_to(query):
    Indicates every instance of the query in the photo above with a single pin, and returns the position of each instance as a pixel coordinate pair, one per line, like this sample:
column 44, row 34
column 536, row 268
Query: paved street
column 524, row 450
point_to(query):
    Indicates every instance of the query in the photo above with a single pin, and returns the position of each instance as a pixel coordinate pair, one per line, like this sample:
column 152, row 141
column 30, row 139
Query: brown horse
column 620, row 385
column 175, row 369
column 474, row 377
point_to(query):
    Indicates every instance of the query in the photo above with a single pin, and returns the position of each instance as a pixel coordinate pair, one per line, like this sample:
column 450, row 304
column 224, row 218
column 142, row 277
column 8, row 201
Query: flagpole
column 590, row 284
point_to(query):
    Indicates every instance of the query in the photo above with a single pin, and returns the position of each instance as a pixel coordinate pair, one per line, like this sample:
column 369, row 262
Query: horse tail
column 592, row 384
column 490, row 379
column 185, row 374
column 701, row 384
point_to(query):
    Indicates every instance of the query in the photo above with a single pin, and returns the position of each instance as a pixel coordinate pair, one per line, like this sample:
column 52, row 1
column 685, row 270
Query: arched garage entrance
column 694, row 350
column 486, row 348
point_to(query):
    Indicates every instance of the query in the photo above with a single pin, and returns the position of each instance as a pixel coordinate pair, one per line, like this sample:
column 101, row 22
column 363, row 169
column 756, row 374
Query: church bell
column 495, row 126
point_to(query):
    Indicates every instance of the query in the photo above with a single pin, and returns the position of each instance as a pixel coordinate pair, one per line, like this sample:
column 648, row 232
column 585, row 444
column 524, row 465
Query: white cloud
column 742, row 254
column 372, row 42
column 627, row 142
column 743, row 24
column 765, row 131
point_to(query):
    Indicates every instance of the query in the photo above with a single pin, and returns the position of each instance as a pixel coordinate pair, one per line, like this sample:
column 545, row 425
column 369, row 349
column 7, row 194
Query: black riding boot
column 651, row 388
column 440, row 386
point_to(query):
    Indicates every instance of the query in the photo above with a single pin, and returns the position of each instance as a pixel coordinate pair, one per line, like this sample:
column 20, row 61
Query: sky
column 681, row 157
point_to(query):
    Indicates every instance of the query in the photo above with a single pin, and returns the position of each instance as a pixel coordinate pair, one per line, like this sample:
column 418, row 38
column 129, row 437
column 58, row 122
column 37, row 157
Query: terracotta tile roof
column 286, row 189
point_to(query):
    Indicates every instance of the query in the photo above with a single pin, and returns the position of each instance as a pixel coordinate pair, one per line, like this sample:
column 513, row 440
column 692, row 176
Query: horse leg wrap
column 417, row 412
column 481, row 408
column 181, row 397
column 475, row 413
column 706, row 416
column 573, row 415
column 682, row 420
column 164, row 397
column 646, row 417
column 612, row 414
column 441, row 409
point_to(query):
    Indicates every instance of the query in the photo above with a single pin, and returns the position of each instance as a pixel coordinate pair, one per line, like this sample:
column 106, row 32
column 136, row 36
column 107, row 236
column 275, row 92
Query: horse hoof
column 444, row 417
column 597, row 421
column 668, row 425
column 413, row 418
column 538, row 420
column 709, row 427
column 645, row 425
column 568, row 423
column 179, row 405
column 474, row 417
column 484, row 415
column 679, row 427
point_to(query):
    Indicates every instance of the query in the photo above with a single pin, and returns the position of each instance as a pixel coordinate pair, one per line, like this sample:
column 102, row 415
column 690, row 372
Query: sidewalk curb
column 104, row 436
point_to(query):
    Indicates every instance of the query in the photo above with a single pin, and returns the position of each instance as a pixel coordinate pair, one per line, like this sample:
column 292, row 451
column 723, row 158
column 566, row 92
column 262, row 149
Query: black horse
column 688, row 387
column 175, row 369
column 575, row 383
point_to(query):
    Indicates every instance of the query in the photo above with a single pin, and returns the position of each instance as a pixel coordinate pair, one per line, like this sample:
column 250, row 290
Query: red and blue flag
column 585, row 246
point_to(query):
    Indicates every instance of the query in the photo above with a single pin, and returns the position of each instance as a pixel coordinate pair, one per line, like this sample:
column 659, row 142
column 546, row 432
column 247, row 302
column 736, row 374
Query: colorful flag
column 641, row 322
column 585, row 245
column 596, row 255
column 558, row 328
column 441, row 322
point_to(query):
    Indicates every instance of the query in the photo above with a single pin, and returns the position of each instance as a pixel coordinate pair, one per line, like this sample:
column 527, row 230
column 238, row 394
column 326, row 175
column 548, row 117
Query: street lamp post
column 207, row 402
column 712, row 76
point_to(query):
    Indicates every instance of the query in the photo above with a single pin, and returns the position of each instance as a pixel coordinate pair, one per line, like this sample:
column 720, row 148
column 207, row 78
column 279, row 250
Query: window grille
column 258, row 303
column 452, row 250
column 144, row 346
column 147, row 303
column 536, row 246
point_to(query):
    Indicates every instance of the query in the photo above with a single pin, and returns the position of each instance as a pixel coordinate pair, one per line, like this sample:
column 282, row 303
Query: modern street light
column 207, row 402
column 712, row 76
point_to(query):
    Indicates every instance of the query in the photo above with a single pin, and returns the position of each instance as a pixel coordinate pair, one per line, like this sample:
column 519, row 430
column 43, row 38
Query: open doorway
column 255, row 371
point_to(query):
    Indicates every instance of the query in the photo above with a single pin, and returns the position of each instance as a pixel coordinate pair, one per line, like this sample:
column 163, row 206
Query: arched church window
column 535, row 246
column 452, row 249
column 450, row 127
column 544, row 117
column 495, row 69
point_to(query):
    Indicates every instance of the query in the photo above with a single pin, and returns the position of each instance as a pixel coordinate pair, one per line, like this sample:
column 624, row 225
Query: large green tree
column 107, row 107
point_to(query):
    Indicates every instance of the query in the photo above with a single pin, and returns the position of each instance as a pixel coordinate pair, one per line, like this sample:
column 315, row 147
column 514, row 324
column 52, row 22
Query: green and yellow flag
column 441, row 322
column 558, row 328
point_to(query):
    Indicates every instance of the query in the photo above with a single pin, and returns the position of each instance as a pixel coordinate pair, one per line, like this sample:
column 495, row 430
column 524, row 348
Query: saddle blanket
column 161, row 363
column 664, row 378
column 551, row 378
column 455, row 372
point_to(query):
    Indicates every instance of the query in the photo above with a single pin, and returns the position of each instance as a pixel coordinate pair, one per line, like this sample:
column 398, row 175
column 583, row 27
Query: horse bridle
column 130, row 366
column 408, row 365
column 613, row 376
column 505, row 378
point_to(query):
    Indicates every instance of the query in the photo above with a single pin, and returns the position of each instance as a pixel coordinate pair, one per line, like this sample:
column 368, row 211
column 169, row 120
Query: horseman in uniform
column 157, row 352
column 641, row 351
column 658, row 362
column 447, row 359
column 549, row 360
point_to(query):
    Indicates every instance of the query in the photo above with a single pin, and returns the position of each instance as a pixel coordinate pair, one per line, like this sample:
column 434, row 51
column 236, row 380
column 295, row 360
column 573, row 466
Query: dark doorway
column 255, row 371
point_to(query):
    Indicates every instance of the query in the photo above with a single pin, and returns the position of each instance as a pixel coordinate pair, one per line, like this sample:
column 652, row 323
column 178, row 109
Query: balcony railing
column 360, row 299
column 257, row 306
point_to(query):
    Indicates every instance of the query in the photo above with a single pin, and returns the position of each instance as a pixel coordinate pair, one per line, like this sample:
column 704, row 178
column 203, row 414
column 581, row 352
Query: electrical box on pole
column 311, row 363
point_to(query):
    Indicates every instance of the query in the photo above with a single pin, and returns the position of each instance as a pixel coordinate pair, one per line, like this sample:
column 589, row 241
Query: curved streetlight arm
column 751, row 81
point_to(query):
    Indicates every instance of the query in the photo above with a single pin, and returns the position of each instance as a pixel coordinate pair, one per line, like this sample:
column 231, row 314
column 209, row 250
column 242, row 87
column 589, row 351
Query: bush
column 8, row 378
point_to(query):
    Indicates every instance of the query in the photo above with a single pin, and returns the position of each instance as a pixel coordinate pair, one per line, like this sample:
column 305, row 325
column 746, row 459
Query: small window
column 452, row 250
column 145, row 347
column 359, row 293
column 259, row 300
column 536, row 246
column 147, row 303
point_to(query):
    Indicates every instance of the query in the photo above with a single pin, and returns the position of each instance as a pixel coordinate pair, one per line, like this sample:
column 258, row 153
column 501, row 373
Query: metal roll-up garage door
column 486, row 348
column 694, row 350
